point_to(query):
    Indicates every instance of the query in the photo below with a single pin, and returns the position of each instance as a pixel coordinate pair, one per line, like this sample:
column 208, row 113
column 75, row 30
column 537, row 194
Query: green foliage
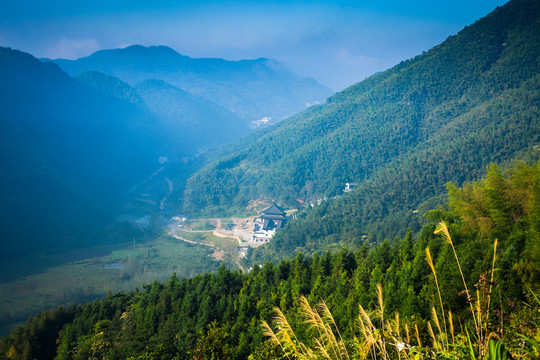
column 497, row 351
column 218, row 315
column 212, row 345
column 401, row 135
column 505, row 207
column 151, row 354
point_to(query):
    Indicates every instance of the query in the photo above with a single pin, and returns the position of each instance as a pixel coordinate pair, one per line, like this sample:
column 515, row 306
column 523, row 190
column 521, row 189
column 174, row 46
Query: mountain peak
column 154, row 49
column 139, row 52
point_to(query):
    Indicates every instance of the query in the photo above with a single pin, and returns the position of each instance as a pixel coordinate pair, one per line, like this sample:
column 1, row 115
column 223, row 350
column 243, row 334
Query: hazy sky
column 336, row 42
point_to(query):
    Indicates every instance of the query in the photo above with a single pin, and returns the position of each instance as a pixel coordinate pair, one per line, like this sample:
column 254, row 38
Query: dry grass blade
column 430, row 263
column 436, row 320
column 435, row 342
column 451, row 321
column 408, row 333
column 417, row 335
column 267, row 331
column 371, row 341
column 479, row 320
column 381, row 315
column 380, row 310
column 285, row 332
column 332, row 341
column 442, row 228
column 369, row 346
column 491, row 281
column 322, row 349
column 365, row 319
column 328, row 315
column 312, row 317
column 396, row 325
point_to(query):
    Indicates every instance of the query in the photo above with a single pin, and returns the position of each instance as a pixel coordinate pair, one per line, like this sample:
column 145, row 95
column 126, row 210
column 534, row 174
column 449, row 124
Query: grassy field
column 226, row 245
column 56, row 282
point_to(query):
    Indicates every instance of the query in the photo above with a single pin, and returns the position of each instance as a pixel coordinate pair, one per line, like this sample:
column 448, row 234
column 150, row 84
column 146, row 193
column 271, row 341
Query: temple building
column 272, row 218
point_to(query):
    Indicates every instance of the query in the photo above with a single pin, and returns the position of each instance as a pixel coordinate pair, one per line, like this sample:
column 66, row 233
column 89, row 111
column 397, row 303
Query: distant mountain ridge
column 401, row 135
column 67, row 152
column 251, row 89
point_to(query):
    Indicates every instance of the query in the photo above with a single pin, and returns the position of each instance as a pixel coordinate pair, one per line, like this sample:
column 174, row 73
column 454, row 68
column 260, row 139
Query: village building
column 272, row 219
column 242, row 251
column 349, row 187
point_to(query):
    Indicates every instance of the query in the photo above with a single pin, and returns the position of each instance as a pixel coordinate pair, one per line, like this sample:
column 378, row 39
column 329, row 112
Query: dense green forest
column 429, row 256
column 401, row 135
column 488, row 233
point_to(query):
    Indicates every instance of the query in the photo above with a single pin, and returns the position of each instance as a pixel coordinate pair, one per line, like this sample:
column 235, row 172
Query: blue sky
column 336, row 42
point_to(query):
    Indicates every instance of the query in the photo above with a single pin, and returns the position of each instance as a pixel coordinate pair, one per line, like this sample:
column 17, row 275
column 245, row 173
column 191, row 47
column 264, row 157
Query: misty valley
column 96, row 165
column 161, row 206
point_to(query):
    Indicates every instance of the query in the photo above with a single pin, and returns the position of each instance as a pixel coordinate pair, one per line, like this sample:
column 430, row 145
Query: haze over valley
column 178, row 200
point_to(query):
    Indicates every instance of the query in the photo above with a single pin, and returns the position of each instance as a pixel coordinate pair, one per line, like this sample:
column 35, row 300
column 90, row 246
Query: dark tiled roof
column 273, row 210
column 272, row 224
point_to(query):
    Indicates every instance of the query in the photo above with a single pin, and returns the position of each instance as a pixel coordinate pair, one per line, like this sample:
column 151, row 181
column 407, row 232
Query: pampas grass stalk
column 328, row 315
column 435, row 342
column 396, row 325
column 313, row 318
column 286, row 331
column 381, row 315
column 491, row 281
column 430, row 263
column 408, row 334
column 267, row 331
column 326, row 345
column 436, row 321
column 417, row 335
column 479, row 312
column 442, row 228
column 451, row 321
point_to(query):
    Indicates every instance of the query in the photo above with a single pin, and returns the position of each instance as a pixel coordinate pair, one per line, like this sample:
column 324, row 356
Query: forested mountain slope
column 110, row 85
column 218, row 316
column 67, row 152
column 252, row 89
column 199, row 123
column 400, row 135
column 191, row 122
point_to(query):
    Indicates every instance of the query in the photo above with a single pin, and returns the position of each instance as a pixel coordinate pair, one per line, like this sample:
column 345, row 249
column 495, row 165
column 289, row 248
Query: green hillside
column 111, row 86
column 218, row 316
column 193, row 121
column 401, row 135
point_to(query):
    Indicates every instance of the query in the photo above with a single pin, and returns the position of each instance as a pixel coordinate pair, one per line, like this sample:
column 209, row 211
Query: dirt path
column 134, row 187
column 171, row 188
column 176, row 236
column 221, row 235
column 218, row 254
